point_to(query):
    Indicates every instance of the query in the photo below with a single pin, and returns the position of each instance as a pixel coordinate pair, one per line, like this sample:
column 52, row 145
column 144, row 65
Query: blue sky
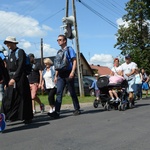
column 31, row 20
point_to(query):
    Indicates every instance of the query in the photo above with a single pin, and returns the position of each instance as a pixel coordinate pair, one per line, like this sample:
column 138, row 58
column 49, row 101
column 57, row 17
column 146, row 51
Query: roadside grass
column 67, row 99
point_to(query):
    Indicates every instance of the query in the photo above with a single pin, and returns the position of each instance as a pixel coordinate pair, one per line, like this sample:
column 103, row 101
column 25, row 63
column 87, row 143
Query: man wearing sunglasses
column 63, row 78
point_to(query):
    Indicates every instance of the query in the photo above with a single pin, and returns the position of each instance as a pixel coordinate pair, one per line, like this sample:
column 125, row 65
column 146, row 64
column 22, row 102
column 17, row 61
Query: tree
column 135, row 37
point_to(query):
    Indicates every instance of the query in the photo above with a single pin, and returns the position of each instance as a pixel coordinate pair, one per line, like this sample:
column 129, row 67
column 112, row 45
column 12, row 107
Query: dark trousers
column 51, row 95
column 138, row 90
column 61, row 83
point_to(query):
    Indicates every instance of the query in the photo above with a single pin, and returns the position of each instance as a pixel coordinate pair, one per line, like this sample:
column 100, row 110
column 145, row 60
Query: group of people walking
column 20, row 92
column 137, row 79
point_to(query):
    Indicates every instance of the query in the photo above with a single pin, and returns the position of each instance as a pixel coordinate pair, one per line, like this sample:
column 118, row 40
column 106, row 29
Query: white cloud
column 19, row 25
column 25, row 44
column 121, row 22
column 49, row 51
column 102, row 60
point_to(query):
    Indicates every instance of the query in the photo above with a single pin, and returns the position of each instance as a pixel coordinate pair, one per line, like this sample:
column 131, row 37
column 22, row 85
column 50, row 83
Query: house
column 101, row 70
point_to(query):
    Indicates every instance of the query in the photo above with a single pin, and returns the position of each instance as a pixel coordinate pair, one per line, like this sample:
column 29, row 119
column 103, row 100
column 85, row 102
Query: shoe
column 27, row 121
column 53, row 109
column 54, row 115
column 42, row 107
column 76, row 112
column 112, row 100
column 34, row 112
column 117, row 100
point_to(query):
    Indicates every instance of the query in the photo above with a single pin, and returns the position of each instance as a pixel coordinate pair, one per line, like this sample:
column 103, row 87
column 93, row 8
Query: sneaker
column 112, row 100
column 54, row 115
column 117, row 100
column 53, row 109
column 42, row 107
column 76, row 112
column 34, row 112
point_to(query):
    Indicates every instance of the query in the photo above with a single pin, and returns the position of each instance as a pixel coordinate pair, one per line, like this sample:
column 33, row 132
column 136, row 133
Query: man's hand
column 11, row 82
column 71, row 75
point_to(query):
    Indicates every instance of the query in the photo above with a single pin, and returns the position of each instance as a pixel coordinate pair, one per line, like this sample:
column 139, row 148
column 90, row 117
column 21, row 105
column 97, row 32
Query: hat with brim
column 10, row 39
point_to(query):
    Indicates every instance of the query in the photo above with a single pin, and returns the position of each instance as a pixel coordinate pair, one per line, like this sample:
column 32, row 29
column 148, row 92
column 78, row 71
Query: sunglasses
column 59, row 40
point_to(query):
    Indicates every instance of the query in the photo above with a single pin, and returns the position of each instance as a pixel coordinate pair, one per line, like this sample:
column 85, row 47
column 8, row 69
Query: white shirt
column 138, row 79
column 127, row 68
column 115, row 70
column 49, row 83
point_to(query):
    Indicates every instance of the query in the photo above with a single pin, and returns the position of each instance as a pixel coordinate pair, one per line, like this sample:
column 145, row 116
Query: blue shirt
column 70, row 55
column 2, row 56
column 94, row 85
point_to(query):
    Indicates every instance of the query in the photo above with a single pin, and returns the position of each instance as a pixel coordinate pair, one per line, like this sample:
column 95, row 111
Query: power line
column 48, row 18
column 98, row 14
column 52, row 15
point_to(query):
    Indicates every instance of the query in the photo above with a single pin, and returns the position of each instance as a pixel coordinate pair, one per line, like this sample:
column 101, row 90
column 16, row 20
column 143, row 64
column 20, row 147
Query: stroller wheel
column 123, row 107
column 107, row 107
column 130, row 105
column 95, row 104
column 119, row 107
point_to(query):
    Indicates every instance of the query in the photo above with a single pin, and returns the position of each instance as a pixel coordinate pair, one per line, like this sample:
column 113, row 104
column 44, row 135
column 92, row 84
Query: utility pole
column 79, row 67
column 42, row 52
column 67, row 7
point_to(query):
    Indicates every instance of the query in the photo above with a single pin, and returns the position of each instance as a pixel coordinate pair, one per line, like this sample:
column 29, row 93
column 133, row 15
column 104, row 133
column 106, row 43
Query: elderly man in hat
column 18, row 91
column 128, row 71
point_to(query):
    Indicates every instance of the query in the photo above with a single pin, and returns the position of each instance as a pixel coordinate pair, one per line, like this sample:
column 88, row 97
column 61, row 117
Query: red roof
column 101, row 70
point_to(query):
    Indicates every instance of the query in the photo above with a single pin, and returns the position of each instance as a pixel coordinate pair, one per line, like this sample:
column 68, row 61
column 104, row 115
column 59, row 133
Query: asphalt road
column 94, row 129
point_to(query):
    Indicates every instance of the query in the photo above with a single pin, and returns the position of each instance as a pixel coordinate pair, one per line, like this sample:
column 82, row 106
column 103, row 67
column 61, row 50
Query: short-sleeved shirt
column 115, row 70
column 127, row 68
column 34, row 76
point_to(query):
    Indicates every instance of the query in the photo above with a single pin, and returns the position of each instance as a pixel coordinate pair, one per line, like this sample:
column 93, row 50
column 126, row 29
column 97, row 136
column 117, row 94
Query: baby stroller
column 104, row 98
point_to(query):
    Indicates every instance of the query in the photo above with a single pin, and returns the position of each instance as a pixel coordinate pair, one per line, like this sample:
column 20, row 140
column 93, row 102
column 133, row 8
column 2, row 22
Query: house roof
column 101, row 70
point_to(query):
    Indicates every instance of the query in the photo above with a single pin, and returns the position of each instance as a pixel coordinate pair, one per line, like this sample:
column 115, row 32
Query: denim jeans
column 61, row 83
column 138, row 90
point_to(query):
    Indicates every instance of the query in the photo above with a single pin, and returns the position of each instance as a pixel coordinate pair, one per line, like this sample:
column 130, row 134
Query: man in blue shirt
column 66, row 77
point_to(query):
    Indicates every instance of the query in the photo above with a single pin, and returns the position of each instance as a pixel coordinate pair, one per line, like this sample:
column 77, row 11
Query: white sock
column 53, row 109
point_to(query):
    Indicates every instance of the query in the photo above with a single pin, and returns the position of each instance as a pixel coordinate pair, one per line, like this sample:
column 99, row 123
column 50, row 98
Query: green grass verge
column 67, row 99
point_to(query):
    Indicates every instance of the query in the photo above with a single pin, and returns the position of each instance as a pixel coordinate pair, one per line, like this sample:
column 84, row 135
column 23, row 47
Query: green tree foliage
column 134, row 37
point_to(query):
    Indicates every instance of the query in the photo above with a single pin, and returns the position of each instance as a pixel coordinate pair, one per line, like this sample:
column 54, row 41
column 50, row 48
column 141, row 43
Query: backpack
column 28, row 65
column 61, row 62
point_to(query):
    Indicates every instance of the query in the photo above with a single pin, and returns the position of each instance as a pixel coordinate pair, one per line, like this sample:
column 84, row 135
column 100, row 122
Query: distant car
column 86, row 84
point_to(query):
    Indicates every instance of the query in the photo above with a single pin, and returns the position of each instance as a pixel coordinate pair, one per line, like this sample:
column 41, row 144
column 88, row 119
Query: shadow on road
column 25, row 127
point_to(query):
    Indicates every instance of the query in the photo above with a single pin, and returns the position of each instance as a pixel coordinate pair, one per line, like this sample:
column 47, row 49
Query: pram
column 104, row 98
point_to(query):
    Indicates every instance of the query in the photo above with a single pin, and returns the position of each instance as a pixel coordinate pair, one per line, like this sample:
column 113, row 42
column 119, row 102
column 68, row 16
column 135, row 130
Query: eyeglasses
column 59, row 40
